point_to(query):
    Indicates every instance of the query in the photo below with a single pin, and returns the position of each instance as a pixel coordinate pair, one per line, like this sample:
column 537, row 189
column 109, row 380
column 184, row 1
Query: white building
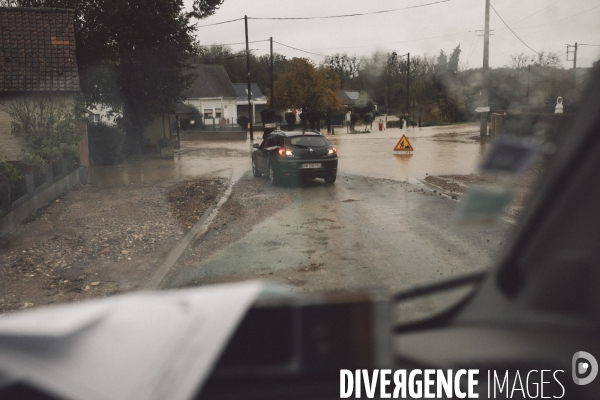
column 257, row 99
column 213, row 94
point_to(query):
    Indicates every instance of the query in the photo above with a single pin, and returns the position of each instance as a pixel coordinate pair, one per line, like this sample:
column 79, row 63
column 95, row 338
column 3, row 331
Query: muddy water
column 437, row 150
column 194, row 158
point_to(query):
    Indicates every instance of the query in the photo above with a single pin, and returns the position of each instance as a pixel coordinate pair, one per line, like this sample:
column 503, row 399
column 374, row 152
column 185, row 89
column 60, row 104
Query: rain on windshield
column 127, row 143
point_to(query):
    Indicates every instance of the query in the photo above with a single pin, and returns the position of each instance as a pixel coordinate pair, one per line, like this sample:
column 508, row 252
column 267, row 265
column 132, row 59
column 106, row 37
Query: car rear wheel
column 255, row 170
column 330, row 179
column 273, row 178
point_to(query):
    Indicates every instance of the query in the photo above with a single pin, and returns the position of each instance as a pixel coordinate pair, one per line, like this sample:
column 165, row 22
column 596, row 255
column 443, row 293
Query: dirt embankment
column 521, row 185
column 92, row 242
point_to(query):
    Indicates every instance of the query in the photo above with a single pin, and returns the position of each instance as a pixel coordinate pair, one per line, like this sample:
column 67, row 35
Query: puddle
column 194, row 159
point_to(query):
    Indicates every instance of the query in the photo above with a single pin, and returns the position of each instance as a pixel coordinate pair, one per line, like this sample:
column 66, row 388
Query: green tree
column 51, row 128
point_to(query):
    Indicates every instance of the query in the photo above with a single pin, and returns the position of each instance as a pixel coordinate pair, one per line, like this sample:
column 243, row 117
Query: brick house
column 37, row 56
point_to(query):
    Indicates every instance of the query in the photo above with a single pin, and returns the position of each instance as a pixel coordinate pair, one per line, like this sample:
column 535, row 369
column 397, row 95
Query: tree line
column 137, row 56
column 442, row 89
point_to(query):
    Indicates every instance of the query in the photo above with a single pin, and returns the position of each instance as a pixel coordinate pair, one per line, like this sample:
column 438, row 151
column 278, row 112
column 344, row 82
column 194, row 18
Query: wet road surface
column 361, row 233
column 371, row 230
column 438, row 150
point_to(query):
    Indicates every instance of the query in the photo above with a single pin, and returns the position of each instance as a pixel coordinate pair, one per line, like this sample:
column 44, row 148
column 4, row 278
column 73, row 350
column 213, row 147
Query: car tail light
column 285, row 152
column 331, row 151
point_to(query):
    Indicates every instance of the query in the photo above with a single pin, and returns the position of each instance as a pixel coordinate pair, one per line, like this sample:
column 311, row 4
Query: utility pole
column 574, row 70
column 407, row 86
column 249, row 87
column 486, row 66
column 272, row 74
column 528, row 72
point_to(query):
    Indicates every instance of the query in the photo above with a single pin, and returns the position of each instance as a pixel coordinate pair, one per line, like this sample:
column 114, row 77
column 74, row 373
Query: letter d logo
column 582, row 367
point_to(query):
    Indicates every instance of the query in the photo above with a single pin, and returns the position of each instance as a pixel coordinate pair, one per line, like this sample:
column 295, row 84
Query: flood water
column 453, row 149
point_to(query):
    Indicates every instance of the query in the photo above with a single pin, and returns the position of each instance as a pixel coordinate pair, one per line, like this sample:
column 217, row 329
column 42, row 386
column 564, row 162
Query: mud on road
column 251, row 201
column 96, row 241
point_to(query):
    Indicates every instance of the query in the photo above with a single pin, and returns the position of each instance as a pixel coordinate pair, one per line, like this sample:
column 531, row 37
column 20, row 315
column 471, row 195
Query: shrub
column 191, row 114
column 8, row 173
column 105, row 144
column 50, row 127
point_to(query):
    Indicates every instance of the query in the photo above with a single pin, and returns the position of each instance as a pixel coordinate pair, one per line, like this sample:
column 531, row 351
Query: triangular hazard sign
column 403, row 144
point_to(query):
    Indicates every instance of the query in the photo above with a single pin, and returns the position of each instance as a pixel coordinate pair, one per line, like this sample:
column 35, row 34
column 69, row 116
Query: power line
column 513, row 32
column 218, row 23
column 404, row 41
column 473, row 50
column 585, row 44
column 473, row 42
column 316, row 54
column 537, row 12
column 350, row 15
column 232, row 44
column 326, row 17
column 558, row 20
column 501, row 51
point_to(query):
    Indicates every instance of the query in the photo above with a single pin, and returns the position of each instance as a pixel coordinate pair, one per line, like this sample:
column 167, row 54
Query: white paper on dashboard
column 149, row 345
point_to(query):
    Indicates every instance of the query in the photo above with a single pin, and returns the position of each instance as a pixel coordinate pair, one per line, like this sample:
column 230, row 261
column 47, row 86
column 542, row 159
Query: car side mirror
column 255, row 146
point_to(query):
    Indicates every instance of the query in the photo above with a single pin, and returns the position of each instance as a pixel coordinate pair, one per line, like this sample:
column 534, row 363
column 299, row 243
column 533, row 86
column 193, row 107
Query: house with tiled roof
column 213, row 94
column 37, row 57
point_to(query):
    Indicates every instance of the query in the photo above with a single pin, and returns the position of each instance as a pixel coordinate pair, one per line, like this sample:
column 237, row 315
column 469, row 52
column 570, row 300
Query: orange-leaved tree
column 302, row 85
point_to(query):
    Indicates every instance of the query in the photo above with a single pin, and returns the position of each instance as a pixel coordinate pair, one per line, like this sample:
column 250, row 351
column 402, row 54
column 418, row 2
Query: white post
column 222, row 109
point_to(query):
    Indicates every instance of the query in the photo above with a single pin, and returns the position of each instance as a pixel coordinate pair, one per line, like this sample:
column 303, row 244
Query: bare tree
column 519, row 61
column 549, row 59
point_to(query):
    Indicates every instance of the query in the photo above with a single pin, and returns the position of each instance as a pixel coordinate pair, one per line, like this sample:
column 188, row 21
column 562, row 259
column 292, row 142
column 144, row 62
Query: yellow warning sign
column 403, row 144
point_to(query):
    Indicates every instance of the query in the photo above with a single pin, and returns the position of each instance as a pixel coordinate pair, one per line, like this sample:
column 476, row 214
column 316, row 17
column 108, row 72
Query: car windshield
column 307, row 141
column 127, row 157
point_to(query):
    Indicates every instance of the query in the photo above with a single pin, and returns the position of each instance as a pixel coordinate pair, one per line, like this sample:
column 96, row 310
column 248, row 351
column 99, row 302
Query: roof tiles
column 37, row 50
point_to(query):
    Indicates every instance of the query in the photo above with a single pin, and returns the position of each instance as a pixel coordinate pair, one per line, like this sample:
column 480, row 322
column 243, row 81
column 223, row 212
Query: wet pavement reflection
column 193, row 159
column 454, row 149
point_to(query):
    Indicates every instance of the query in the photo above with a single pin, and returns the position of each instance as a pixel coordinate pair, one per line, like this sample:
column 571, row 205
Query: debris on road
column 97, row 241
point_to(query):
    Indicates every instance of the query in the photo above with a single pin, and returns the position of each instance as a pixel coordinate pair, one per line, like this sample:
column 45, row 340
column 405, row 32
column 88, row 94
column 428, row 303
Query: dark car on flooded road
column 288, row 155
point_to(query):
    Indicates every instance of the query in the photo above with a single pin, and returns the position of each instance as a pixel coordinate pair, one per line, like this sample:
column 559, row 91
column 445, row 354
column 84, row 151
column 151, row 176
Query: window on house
column 208, row 114
column 94, row 118
column 218, row 113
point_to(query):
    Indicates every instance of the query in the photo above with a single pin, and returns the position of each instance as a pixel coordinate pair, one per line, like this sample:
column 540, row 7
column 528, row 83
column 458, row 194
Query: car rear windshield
column 308, row 141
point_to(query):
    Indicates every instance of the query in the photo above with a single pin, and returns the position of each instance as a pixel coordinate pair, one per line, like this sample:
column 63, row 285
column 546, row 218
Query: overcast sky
column 544, row 25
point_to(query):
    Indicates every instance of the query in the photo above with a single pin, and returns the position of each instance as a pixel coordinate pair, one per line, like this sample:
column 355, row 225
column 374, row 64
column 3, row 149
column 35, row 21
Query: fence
column 34, row 190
